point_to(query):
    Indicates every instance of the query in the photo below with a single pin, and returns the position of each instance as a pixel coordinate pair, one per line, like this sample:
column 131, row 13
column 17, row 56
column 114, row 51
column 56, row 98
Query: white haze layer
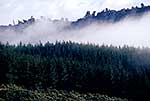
column 130, row 31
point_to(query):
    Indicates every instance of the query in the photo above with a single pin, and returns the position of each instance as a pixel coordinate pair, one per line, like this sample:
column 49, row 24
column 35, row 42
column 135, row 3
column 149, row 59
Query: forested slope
column 115, row 71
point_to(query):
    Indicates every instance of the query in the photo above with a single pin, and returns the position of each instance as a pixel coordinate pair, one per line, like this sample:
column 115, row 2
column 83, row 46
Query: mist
column 130, row 31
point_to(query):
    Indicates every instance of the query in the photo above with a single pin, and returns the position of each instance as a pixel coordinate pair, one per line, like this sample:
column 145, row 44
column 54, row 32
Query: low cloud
column 131, row 31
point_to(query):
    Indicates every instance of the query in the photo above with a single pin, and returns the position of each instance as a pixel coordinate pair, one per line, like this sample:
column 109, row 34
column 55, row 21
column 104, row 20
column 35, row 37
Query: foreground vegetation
column 15, row 93
column 113, row 71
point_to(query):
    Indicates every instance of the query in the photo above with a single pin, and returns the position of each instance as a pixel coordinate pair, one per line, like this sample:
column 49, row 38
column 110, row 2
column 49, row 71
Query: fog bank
column 130, row 31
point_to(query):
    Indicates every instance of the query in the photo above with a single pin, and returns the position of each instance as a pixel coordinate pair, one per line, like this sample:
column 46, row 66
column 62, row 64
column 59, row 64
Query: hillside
column 111, row 16
column 13, row 93
column 32, row 68
column 113, row 71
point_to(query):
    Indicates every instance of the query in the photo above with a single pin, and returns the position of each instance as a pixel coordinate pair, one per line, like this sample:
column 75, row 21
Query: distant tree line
column 107, row 15
column 18, row 27
column 111, row 16
column 116, row 71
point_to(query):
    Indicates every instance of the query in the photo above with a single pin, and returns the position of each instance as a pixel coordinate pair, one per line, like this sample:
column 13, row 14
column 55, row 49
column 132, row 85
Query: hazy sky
column 18, row 9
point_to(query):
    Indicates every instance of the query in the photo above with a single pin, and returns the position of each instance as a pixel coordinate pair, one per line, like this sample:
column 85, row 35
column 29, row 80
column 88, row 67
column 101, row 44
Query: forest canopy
column 115, row 71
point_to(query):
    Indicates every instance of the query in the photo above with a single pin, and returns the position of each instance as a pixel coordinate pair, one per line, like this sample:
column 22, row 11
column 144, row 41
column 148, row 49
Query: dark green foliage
column 115, row 71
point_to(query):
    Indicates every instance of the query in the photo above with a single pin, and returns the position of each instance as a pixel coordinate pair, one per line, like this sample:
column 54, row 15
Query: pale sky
column 55, row 9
